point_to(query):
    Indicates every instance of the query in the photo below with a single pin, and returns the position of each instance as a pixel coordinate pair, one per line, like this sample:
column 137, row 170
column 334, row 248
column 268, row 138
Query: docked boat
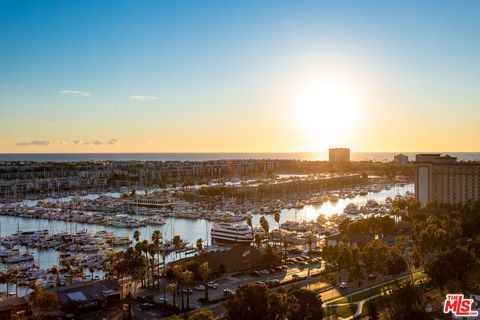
column 19, row 258
column 231, row 233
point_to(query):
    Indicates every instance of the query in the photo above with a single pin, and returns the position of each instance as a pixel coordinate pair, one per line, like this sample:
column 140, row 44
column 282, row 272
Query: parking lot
column 296, row 268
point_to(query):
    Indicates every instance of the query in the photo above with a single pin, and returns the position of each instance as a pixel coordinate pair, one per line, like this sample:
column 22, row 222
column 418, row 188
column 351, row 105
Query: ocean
column 355, row 156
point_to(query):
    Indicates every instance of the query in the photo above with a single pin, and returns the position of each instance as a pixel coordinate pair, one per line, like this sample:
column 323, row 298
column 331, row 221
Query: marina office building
column 443, row 179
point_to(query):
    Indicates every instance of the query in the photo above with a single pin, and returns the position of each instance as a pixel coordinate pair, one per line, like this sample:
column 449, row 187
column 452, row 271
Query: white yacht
column 231, row 233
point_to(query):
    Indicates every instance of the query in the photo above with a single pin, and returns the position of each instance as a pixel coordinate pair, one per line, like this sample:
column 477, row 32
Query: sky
column 239, row 76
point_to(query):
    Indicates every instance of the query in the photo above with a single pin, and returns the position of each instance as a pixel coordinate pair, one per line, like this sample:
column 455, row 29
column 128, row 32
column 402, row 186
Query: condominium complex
column 443, row 179
column 336, row 155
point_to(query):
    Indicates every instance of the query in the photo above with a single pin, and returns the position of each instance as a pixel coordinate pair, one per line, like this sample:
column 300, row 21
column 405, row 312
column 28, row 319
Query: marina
column 40, row 243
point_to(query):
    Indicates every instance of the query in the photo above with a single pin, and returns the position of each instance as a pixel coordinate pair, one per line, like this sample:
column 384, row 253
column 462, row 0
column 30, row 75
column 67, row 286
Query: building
column 339, row 155
column 401, row 159
column 443, row 179
column 89, row 297
column 14, row 308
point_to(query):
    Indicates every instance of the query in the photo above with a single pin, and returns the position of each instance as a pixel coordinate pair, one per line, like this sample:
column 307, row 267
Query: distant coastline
column 355, row 156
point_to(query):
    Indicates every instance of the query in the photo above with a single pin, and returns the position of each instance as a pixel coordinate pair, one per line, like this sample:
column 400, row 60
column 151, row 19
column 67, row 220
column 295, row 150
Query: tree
column 156, row 240
column 451, row 269
column 254, row 301
column 200, row 245
column 265, row 226
column 178, row 272
column 136, row 235
column 42, row 301
column 258, row 241
column 310, row 304
column 55, row 270
column 372, row 310
column 187, row 278
column 277, row 220
column 92, row 271
column 202, row 314
column 270, row 257
column 173, row 286
column 405, row 302
column 205, row 274
column 177, row 244
column 250, row 223
column 310, row 239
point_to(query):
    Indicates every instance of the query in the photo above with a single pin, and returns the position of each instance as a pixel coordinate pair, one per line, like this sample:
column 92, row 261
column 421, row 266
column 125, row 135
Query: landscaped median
column 347, row 306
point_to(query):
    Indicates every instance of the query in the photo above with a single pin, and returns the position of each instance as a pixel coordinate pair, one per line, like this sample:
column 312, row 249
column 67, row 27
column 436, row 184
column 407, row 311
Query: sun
column 327, row 113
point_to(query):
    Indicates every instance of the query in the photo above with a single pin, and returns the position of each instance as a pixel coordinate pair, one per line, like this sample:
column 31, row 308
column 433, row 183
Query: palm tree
column 187, row 280
column 176, row 243
column 205, row 274
column 152, row 250
column 92, row 271
column 310, row 239
column 173, row 286
column 69, row 270
column 43, row 300
column 277, row 220
column 258, row 241
column 55, row 270
column 156, row 239
column 136, row 235
column 178, row 271
column 250, row 223
column 200, row 245
column 265, row 226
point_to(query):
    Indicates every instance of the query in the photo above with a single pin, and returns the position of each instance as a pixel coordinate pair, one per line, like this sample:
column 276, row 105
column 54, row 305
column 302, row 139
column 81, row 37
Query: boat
column 19, row 258
column 231, row 233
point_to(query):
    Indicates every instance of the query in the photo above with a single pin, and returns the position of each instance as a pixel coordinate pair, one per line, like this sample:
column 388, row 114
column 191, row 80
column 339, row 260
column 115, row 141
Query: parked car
column 343, row 285
column 261, row 283
column 272, row 283
column 255, row 273
column 228, row 292
column 372, row 276
column 212, row 285
column 295, row 276
column 187, row 290
column 161, row 300
column 264, row 271
column 146, row 305
column 199, row 287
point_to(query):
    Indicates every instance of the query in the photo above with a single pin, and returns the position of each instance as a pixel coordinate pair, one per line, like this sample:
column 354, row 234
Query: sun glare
column 327, row 113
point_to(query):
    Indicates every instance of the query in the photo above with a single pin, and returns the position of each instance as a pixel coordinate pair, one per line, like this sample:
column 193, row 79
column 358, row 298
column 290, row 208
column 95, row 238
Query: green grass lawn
column 380, row 302
column 342, row 311
column 377, row 290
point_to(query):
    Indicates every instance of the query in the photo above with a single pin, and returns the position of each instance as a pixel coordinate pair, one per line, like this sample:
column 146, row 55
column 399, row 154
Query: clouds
column 34, row 143
column 75, row 93
column 96, row 142
column 143, row 98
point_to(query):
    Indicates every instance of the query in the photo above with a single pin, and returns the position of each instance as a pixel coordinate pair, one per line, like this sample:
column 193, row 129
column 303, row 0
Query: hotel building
column 443, row 179
column 336, row 155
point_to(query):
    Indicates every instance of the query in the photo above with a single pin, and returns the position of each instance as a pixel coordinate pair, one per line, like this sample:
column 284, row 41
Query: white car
column 212, row 285
column 199, row 287
column 343, row 285
column 264, row 271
